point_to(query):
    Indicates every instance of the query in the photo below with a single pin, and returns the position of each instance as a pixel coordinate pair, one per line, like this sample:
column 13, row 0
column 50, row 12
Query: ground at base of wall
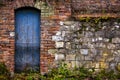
column 62, row 73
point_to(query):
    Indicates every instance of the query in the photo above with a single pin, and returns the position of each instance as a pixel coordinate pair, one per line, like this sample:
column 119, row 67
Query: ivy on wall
column 97, row 24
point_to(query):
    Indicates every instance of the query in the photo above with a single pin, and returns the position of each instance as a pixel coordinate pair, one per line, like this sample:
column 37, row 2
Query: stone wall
column 74, row 42
column 89, row 44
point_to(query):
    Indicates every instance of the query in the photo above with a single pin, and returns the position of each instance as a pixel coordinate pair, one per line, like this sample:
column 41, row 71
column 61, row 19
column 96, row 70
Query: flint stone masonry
column 96, row 48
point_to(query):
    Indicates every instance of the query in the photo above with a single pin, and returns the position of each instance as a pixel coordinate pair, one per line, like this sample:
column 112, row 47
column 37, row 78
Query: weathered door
column 27, row 39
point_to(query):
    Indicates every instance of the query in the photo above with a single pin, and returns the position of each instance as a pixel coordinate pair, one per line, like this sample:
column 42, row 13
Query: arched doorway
column 27, row 39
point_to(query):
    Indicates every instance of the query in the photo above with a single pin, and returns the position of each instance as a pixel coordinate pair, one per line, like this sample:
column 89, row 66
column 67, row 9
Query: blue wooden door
column 27, row 39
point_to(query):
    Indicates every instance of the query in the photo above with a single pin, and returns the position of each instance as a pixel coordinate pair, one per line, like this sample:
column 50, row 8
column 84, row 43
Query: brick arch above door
column 23, row 3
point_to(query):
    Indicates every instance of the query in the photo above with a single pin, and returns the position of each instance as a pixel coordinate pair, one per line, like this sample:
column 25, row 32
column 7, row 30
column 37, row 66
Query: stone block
column 112, row 66
column 63, row 33
column 100, row 45
column 90, row 45
column 52, row 51
column 100, row 34
column 73, row 28
column 64, row 28
column 77, row 63
column 111, row 46
column 70, row 57
column 62, row 51
column 57, row 38
column 106, row 40
column 116, row 40
column 93, row 40
column 68, row 63
column 79, row 58
column 117, row 58
column 58, row 33
column 89, row 34
column 100, row 38
column 118, row 51
column 59, row 57
column 97, row 65
column 61, row 23
column 72, row 51
column 59, row 44
column 117, row 46
column 69, row 23
column 12, row 34
column 84, row 51
column 78, row 46
column 110, row 59
column 88, row 64
column 68, row 45
column 103, row 65
column 84, row 39
column 88, row 58
column 118, row 66
column 73, row 64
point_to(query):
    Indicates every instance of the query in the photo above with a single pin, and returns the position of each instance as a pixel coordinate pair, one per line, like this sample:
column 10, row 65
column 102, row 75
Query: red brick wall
column 7, row 25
